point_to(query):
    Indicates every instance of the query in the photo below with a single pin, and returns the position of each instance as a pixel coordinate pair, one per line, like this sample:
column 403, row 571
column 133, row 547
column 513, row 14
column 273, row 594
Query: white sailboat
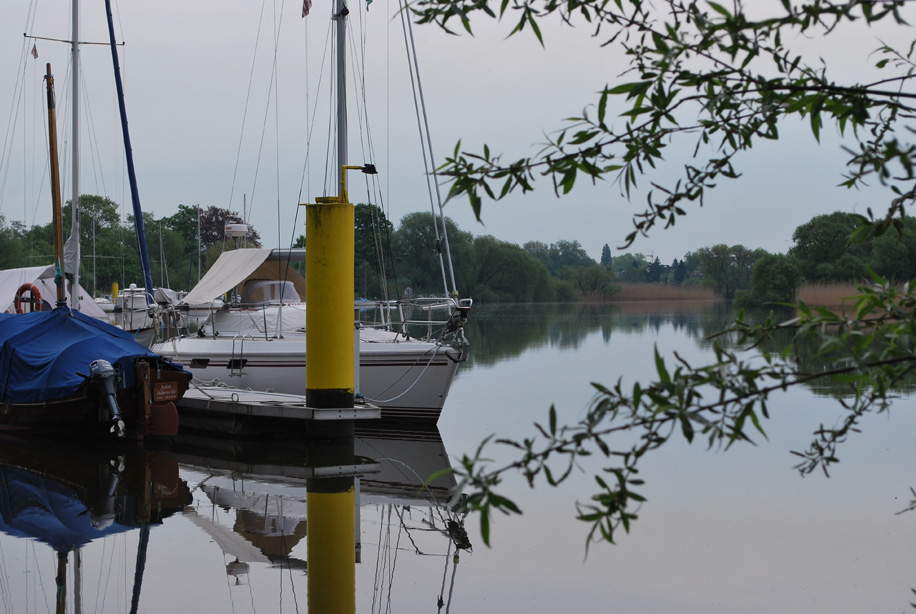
column 257, row 341
column 407, row 355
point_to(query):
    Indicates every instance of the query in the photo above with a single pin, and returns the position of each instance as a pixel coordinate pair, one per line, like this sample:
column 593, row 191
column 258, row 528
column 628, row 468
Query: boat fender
column 105, row 378
column 33, row 300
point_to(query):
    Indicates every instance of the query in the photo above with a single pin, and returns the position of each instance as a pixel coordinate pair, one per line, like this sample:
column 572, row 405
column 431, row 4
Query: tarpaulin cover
column 41, row 508
column 232, row 269
column 43, row 354
column 43, row 278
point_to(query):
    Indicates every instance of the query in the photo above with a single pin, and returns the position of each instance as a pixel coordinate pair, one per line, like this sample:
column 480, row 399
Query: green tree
column 606, row 258
column 561, row 254
column 373, row 236
column 592, row 281
column 718, row 79
column 418, row 256
column 775, row 279
column 727, row 269
column 630, row 268
column 505, row 272
column 12, row 244
column 679, row 271
column 822, row 248
column 893, row 255
column 655, row 271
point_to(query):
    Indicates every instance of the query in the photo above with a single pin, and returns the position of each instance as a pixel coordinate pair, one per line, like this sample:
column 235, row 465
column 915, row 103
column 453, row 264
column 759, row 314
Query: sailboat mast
column 55, row 187
column 75, row 181
column 131, row 174
column 341, row 17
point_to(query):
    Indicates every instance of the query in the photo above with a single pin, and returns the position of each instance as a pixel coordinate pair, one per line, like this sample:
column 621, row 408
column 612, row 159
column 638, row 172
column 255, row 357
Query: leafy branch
column 733, row 77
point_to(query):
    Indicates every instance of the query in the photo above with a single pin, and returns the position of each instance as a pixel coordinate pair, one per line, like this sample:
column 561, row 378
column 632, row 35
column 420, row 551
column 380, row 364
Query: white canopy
column 232, row 269
column 42, row 277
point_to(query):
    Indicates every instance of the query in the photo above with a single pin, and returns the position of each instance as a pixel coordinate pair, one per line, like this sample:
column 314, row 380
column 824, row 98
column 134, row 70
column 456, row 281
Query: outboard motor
column 105, row 378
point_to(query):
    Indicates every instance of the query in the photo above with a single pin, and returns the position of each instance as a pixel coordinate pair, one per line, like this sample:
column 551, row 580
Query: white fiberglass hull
column 408, row 380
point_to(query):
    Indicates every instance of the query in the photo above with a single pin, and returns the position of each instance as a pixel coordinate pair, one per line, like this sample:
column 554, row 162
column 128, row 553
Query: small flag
column 306, row 7
column 34, row 51
column 368, row 2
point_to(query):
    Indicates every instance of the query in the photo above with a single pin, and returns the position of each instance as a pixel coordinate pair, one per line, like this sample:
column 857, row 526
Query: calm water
column 221, row 526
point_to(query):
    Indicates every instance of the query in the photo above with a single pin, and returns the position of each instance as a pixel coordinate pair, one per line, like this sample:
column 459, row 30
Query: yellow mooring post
column 329, row 380
column 331, row 539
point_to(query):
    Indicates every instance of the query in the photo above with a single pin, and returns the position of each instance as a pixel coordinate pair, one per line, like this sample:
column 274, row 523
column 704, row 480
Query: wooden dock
column 224, row 401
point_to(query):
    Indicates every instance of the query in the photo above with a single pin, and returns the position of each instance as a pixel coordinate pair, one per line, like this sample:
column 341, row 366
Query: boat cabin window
column 269, row 291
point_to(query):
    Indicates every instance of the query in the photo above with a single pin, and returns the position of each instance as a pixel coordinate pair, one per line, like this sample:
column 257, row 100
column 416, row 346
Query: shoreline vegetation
column 635, row 292
column 839, row 296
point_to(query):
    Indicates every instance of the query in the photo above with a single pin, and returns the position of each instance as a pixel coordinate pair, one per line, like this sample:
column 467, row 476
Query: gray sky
column 188, row 69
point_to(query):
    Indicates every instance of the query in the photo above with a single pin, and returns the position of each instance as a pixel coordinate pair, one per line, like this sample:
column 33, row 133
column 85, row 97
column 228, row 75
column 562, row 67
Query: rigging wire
column 94, row 155
column 428, row 164
column 305, row 179
column 18, row 100
column 444, row 573
column 277, row 137
column 367, row 147
column 254, row 58
column 270, row 90
column 365, row 136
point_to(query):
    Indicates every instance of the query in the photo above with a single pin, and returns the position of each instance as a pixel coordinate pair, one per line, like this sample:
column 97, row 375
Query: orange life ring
column 33, row 300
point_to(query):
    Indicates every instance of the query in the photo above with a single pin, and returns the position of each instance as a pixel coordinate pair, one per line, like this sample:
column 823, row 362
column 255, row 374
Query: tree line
column 393, row 261
column 109, row 247
column 492, row 270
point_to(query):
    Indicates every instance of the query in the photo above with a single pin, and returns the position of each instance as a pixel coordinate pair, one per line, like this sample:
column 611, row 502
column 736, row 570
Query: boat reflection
column 254, row 500
column 66, row 496
column 290, row 519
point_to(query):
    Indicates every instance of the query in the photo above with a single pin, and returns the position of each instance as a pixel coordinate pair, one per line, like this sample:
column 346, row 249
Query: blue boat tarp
column 40, row 508
column 44, row 355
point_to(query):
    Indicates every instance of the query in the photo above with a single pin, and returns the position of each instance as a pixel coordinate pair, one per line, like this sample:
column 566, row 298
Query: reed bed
column 833, row 296
column 658, row 292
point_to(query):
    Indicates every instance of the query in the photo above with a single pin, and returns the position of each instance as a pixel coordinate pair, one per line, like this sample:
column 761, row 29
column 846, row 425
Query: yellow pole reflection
column 331, row 546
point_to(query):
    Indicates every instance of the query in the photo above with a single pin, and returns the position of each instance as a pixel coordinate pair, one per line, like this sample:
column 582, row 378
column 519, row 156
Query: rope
column 444, row 575
column 431, row 358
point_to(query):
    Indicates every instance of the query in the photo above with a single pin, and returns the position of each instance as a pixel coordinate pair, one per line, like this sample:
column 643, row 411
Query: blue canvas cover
column 44, row 355
column 41, row 508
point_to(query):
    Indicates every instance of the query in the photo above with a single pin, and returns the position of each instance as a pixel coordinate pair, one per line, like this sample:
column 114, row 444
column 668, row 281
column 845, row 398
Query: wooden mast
column 55, row 187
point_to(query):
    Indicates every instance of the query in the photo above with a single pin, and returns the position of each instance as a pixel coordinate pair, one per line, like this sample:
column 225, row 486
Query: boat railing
column 238, row 362
column 428, row 317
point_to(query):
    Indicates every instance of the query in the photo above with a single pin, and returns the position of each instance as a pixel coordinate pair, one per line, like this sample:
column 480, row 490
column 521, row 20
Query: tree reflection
column 504, row 332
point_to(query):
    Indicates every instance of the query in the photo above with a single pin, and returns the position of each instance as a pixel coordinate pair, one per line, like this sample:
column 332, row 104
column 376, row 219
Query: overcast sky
column 189, row 68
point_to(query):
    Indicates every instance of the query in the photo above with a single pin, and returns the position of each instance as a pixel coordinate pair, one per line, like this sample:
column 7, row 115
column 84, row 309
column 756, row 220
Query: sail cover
column 43, row 278
column 233, row 268
column 45, row 355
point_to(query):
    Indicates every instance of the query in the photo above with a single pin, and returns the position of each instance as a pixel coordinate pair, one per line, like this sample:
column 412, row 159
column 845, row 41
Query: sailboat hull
column 408, row 381
column 47, row 382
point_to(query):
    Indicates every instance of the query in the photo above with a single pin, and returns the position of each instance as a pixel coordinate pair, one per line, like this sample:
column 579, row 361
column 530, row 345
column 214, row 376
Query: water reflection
column 66, row 496
column 290, row 522
column 502, row 332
